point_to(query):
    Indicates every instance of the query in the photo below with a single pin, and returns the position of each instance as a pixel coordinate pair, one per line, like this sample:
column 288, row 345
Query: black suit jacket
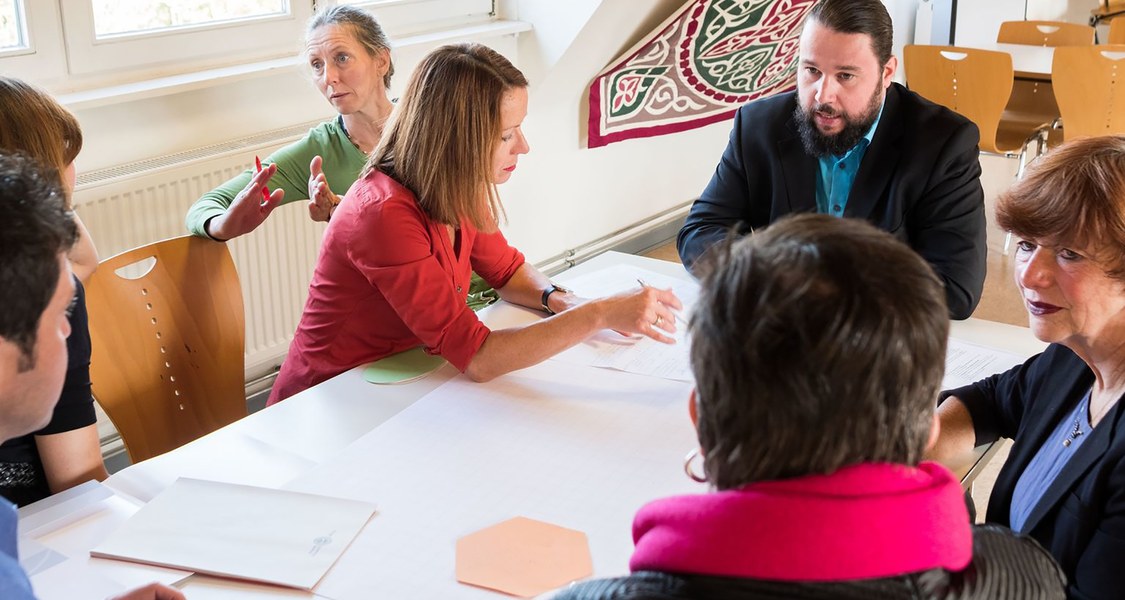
column 1081, row 517
column 919, row 180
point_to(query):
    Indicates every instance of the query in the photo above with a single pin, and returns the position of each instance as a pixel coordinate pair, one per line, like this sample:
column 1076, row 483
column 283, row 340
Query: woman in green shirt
column 349, row 56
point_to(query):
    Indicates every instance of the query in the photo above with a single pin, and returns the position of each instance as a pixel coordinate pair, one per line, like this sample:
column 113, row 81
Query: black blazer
column 1081, row 518
column 919, row 180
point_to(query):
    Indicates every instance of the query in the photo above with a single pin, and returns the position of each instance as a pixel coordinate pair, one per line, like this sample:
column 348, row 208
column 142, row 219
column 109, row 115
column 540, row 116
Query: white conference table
column 447, row 466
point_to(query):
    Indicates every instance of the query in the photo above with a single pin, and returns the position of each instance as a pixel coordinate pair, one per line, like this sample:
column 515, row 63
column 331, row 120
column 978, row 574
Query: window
column 71, row 45
column 115, row 17
column 13, row 34
column 407, row 17
column 104, row 36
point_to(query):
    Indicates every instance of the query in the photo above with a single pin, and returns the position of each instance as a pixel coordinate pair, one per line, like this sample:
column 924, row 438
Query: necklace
column 1077, row 431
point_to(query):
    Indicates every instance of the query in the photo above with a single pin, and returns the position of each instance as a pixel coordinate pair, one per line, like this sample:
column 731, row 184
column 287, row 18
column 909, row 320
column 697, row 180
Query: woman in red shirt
column 395, row 263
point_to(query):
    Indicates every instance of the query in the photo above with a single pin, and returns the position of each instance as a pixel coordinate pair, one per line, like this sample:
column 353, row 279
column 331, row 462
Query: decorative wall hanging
column 697, row 68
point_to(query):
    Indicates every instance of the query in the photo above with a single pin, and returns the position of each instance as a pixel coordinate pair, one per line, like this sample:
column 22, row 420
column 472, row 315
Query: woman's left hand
column 322, row 202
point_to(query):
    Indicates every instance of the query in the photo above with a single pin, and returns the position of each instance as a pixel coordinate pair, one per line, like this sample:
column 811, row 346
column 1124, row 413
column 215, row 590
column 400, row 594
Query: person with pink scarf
column 818, row 348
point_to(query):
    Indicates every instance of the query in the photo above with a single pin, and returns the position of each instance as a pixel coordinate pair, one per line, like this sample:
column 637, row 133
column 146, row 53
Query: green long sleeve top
column 342, row 164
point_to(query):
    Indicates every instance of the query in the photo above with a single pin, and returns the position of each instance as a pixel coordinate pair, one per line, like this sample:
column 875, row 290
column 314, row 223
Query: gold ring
column 658, row 321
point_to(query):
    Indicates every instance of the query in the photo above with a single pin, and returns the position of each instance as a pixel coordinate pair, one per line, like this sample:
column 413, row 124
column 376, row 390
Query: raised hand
column 249, row 208
column 322, row 202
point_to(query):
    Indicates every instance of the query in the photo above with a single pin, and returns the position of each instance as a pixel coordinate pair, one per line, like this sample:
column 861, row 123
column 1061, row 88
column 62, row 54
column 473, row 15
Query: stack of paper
column 257, row 534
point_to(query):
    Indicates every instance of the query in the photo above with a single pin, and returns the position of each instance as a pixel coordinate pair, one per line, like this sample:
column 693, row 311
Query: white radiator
column 139, row 203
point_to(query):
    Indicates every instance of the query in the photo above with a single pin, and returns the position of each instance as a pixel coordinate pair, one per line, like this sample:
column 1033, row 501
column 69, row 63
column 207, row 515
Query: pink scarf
column 863, row 521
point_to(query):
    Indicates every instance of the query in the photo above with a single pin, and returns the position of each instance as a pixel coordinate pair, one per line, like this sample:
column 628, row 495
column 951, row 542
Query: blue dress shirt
column 1047, row 463
column 837, row 174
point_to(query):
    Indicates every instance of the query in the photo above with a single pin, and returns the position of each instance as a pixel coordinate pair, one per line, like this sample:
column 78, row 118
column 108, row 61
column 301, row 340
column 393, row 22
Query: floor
column 999, row 302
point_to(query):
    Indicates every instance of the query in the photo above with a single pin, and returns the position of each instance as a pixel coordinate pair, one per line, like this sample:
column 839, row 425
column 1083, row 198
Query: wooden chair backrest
column 1116, row 30
column 1045, row 33
column 974, row 83
column 1089, row 83
column 168, row 344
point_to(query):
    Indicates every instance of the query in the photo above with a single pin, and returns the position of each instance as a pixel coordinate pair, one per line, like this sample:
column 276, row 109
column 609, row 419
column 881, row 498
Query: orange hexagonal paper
column 523, row 557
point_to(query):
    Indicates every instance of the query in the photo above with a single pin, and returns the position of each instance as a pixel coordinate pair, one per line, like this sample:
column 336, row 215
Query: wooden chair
column 1045, row 33
column 168, row 343
column 1032, row 103
column 975, row 83
column 1116, row 31
column 1089, row 86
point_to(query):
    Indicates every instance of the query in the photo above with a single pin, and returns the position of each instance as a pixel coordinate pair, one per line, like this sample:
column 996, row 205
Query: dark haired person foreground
column 37, row 230
column 851, row 143
column 430, row 186
column 818, row 346
column 1064, row 481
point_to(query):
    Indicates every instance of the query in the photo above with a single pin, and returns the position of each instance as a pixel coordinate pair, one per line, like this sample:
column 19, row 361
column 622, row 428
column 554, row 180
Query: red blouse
column 387, row 279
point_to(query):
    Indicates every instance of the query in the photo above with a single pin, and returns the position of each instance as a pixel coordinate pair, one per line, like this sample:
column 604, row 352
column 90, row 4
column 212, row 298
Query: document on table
column 639, row 354
column 967, row 363
column 56, row 534
column 256, row 534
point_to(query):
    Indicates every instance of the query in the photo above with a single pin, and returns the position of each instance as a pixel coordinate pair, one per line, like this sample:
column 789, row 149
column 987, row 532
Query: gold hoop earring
column 688, row 460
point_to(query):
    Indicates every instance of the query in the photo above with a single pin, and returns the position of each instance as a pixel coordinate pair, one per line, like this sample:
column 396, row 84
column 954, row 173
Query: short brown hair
column 364, row 28
column 1073, row 195
column 816, row 344
column 35, row 227
column 868, row 17
column 440, row 139
column 33, row 122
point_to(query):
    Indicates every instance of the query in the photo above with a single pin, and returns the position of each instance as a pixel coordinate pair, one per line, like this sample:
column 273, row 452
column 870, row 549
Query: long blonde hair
column 440, row 140
column 33, row 122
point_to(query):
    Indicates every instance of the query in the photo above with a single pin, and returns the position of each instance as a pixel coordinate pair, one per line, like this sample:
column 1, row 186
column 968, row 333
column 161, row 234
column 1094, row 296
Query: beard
column 820, row 144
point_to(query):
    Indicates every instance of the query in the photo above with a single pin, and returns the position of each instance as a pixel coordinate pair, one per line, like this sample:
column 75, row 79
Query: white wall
column 1071, row 11
column 564, row 194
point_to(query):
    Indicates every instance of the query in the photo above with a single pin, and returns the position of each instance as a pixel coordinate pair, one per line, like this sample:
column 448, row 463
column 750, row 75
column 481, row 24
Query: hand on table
column 248, row 210
column 152, row 591
column 649, row 311
column 322, row 202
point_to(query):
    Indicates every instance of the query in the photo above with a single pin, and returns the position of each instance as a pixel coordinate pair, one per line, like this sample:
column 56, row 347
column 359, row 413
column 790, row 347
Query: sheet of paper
column 640, row 355
column 74, row 579
column 967, row 363
column 210, row 588
column 250, row 533
column 228, row 454
column 579, row 447
column 57, row 533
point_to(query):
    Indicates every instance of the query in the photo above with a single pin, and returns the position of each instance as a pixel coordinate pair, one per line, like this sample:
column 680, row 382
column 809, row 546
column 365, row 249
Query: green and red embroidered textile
column 697, row 68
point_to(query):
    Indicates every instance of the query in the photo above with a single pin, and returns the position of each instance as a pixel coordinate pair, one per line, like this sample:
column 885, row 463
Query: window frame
column 64, row 55
column 218, row 44
column 41, row 60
